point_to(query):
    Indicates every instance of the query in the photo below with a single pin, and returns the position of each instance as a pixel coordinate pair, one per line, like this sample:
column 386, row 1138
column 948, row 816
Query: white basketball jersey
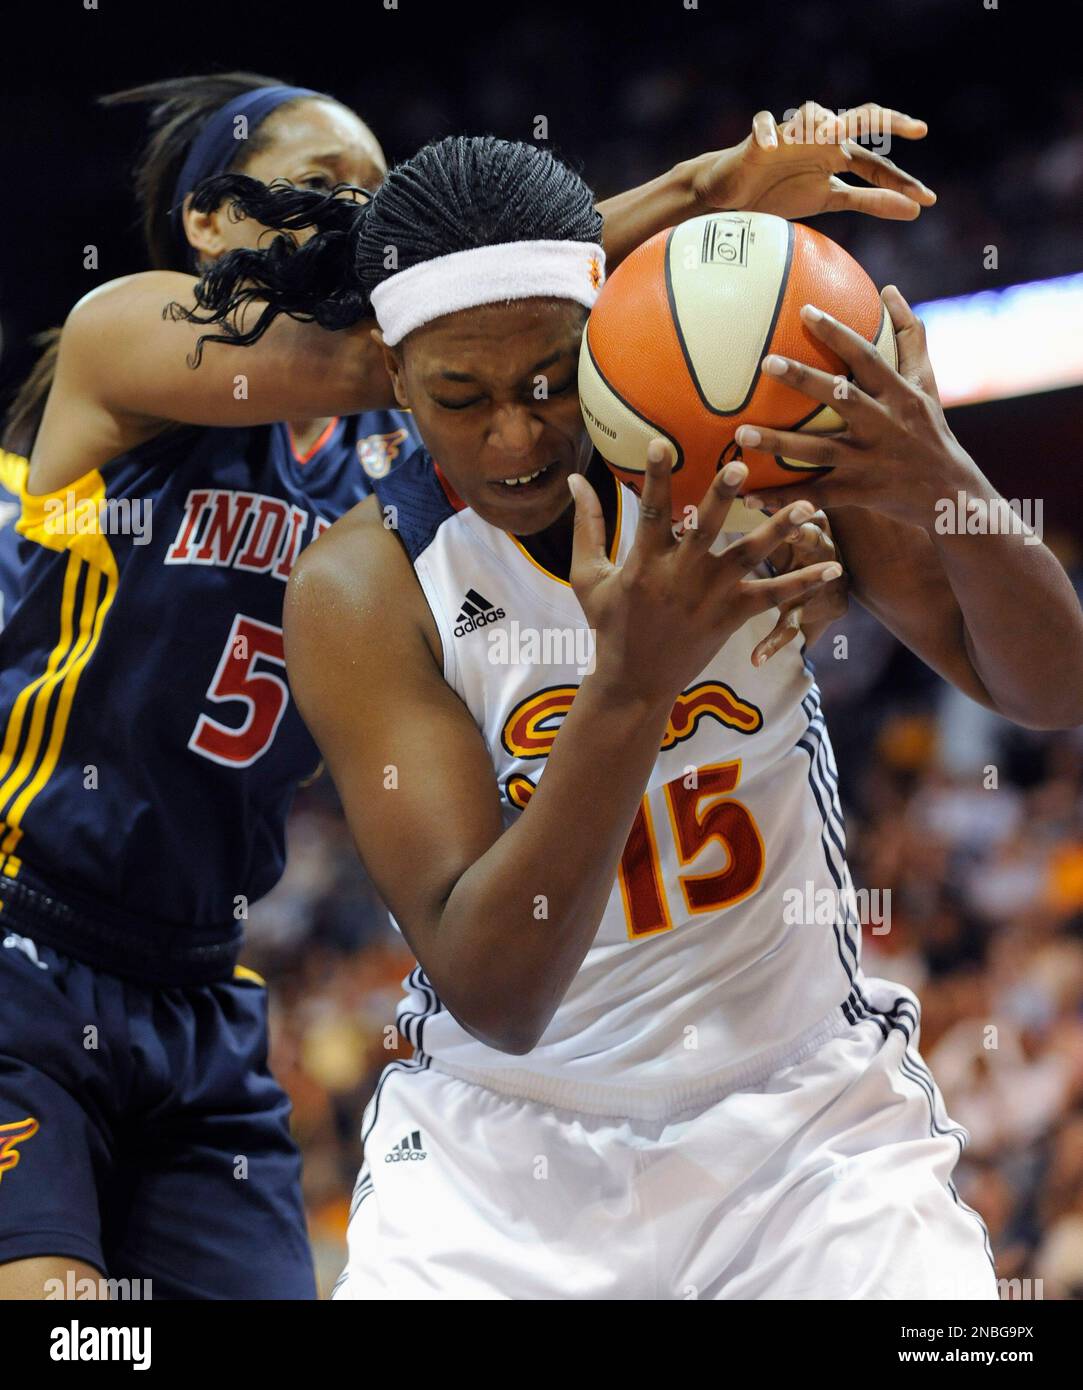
column 731, row 936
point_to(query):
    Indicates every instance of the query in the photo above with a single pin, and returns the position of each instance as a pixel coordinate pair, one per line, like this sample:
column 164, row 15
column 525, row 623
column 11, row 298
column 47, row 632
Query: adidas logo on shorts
column 407, row 1150
column 475, row 613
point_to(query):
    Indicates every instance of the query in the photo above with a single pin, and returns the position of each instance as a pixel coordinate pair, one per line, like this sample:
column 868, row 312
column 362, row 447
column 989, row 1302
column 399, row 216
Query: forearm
column 518, row 923
column 129, row 348
column 1023, row 626
column 992, row 615
column 296, row 371
column 897, row 576
column 633, row 217
column 332, row 373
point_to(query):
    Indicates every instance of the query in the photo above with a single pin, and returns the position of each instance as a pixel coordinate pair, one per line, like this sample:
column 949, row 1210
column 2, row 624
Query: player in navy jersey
column 636, row 1077
column 12, row 474
column 150, row 748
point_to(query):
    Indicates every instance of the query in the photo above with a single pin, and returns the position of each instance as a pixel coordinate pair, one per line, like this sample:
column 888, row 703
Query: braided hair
column 456, row 194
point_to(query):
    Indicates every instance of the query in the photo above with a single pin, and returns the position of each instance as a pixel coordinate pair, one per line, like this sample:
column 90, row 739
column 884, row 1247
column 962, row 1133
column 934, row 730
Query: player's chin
column 530, row 502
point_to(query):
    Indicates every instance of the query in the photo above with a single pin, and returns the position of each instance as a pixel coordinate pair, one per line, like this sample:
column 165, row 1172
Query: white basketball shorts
column 830, row 1179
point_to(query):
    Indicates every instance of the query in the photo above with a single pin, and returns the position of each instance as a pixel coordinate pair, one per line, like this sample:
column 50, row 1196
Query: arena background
column 986, row 884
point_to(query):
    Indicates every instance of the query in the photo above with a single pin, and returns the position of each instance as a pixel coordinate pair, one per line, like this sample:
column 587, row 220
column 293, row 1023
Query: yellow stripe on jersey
column 13, row 470
column 69, row 519
column 13, row 733
column 98, row 599
column 53, row 520
column 242, row 972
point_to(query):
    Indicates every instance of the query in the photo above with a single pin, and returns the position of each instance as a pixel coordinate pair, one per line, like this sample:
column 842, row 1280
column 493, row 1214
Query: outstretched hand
column 793, row 170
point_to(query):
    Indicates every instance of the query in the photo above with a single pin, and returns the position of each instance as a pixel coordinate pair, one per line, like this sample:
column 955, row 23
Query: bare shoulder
column 356, row 579
column 147, row 291
column 128, row 289
column 349, row 562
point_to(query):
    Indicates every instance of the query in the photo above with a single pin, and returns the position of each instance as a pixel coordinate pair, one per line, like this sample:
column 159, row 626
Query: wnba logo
column 407, row 1150
column 377, row 452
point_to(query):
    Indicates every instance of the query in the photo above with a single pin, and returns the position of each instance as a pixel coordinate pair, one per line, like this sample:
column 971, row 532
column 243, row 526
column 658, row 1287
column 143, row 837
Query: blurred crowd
column 974, row 827
column 1010, row 191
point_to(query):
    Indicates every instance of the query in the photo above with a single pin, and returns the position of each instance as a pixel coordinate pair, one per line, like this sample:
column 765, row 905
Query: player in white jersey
column 638, row 1072
column 628, row 1038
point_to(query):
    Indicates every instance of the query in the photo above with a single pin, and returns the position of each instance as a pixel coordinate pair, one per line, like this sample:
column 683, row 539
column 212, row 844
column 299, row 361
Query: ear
column 395, row 369
column 204, row 231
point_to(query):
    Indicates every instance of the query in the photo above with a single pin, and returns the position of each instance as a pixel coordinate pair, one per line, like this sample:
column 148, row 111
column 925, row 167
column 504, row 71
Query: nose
column 514, row 431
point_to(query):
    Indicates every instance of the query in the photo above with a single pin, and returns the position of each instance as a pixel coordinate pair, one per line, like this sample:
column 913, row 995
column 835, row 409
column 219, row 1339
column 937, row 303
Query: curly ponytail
column 313, row 281
column 453, row 195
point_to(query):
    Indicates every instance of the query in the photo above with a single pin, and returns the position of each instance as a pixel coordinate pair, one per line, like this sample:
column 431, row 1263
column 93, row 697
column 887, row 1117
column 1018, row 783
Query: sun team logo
column 531, row 728
column 10, row 1135
column 377, row 452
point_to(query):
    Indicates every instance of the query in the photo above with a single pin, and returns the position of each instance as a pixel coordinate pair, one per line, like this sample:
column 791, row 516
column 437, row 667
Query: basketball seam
column 713, row 410
column 654, row 425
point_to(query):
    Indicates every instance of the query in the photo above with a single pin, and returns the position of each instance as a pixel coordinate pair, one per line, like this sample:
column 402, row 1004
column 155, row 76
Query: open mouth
column 528, row 481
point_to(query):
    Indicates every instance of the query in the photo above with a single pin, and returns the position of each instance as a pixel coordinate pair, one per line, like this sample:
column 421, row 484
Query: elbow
column 1048, row 722
column 516, row 1043
column 515, row 1033
column 512, row 1036
column 1056, row 712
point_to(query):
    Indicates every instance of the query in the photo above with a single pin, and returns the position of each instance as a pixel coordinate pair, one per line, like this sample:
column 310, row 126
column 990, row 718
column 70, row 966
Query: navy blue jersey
column 12, row 474
column 150, row 749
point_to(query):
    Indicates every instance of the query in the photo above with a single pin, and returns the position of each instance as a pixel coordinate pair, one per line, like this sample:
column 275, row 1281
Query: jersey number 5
column 237, row 678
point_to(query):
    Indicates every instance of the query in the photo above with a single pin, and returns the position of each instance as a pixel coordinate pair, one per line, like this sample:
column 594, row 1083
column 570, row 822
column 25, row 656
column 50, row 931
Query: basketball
column 674, row 344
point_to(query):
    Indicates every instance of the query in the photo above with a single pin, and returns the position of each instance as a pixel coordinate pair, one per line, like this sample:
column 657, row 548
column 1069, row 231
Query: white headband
column 487, row 275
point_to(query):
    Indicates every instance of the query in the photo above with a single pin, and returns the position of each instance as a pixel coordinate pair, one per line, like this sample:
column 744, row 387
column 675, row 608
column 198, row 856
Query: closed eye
column 550, row 391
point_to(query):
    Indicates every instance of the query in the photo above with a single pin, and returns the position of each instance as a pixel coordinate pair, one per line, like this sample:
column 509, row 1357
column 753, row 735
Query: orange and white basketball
column 674, row 345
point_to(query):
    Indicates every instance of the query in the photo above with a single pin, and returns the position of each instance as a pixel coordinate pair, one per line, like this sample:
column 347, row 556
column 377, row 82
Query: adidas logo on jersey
column 407, row 1150
column 475, row 613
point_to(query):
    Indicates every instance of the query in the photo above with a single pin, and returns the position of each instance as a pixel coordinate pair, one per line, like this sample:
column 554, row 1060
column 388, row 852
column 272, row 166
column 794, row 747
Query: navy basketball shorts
column 142, row 1133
